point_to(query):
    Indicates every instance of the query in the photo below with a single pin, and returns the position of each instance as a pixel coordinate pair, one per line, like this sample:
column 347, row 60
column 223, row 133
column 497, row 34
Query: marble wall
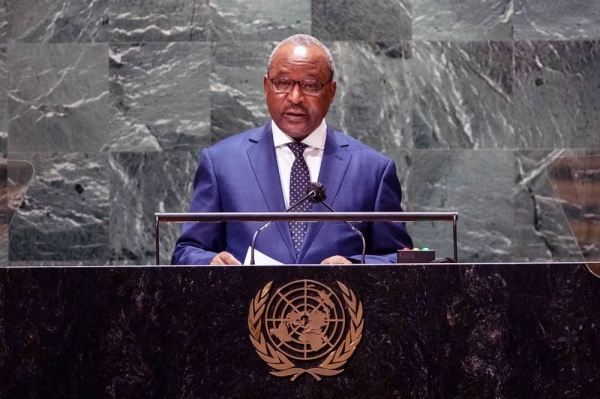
column 112, row 101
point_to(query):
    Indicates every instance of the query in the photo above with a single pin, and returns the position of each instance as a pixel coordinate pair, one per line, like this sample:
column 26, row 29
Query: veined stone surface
column 57, row 97
column 237, row 101
column 474, row 20
column 462, row 95
column 4, row 211
column 443, row 331
column 15, row 177
column 459, row 181
column 514, row 214
column 3, row 94
column 3, row 21
column 351, row 20
column 64, row 216
column 373, row 98
column 556, row 94
column 68, row 21
column 159, row 95
column 475, row 101
column 159, row 20
column 557, row 19
column 140, row 185
column 258, row 20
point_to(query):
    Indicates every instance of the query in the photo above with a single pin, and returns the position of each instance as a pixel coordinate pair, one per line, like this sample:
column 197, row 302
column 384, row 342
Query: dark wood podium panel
column 434, row 331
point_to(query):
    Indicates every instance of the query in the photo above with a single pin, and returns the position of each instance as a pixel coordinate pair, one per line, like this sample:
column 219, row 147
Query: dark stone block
column 159, row 21
column 70, row 21
column 454, row 331
column 159, row 96
column 467, row 20
column 59, row 97
column 351, row 20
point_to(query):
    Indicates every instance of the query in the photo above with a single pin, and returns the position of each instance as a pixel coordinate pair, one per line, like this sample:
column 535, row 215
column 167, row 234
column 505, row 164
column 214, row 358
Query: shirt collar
column 316, row 139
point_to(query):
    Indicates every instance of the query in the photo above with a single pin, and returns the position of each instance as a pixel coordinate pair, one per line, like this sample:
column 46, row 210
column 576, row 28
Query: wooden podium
column 429, row 331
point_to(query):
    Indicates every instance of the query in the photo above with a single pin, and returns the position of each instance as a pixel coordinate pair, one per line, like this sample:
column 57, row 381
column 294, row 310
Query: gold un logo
column 304, row 322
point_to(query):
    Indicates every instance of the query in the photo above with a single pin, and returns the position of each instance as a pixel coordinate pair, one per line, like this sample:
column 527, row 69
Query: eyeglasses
column 308, row 87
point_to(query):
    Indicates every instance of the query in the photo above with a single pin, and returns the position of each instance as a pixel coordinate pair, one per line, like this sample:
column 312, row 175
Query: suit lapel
column 264, row 165
column 333, row 170
column 334, row 166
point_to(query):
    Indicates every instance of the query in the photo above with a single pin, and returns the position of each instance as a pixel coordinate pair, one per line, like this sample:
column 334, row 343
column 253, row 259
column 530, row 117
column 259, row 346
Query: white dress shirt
column 313, row 154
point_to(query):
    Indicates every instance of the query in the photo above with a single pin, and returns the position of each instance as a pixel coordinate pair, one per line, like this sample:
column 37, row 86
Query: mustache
column 297, row 108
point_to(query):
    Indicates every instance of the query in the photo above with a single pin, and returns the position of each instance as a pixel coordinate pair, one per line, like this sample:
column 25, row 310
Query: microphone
column 313, row 190
column 320, row 196
column 319, row 190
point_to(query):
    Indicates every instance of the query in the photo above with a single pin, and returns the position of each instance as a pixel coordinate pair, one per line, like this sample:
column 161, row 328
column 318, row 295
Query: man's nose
column 295, row 95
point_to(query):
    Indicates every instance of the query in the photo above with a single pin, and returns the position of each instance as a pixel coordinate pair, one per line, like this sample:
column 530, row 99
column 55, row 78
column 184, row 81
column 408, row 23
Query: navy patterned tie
column 299, row 179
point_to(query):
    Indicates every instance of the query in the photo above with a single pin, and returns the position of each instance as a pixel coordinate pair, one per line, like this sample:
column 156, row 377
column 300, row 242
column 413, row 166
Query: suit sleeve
column 199, row 243
column 383, row 239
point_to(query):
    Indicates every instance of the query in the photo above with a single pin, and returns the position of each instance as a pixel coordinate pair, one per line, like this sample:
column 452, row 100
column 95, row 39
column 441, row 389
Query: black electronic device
column 415, row 256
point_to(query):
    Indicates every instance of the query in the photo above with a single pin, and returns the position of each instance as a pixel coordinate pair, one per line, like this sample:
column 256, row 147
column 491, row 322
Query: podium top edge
column 304, row 216
column 433, row 265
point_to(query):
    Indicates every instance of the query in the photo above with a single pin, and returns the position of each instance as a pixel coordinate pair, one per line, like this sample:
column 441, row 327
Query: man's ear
column 332, row 88
column 265, row 83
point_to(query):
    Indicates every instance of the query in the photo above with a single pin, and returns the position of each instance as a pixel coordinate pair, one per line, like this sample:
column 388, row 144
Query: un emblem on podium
column 303, row 322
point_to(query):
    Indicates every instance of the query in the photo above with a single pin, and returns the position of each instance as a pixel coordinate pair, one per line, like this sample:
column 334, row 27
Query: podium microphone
column 320, row 196
column 312, row 192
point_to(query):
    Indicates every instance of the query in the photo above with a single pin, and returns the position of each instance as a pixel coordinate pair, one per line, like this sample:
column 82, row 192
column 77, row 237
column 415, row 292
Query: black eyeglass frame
column 300, row 82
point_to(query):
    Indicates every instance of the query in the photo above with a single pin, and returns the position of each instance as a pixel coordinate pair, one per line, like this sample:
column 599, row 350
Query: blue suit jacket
column 240, row 174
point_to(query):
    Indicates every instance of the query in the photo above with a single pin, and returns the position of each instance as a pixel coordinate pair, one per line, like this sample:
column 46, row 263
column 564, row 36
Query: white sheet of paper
column 260, row 259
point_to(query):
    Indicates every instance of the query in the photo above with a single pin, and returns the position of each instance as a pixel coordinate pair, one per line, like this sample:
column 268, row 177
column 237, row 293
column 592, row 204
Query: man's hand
column 336, row 260
column 224, row 258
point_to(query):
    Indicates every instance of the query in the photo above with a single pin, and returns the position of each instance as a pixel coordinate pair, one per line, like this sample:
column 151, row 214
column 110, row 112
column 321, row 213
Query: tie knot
column 297, row 148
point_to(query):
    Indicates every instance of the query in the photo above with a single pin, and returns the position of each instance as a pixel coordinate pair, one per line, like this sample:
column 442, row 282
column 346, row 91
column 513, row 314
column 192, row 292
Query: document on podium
column 260, row 259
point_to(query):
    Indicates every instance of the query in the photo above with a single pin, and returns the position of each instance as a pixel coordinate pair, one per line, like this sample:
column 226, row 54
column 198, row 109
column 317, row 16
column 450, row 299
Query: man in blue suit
column 250, row 172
